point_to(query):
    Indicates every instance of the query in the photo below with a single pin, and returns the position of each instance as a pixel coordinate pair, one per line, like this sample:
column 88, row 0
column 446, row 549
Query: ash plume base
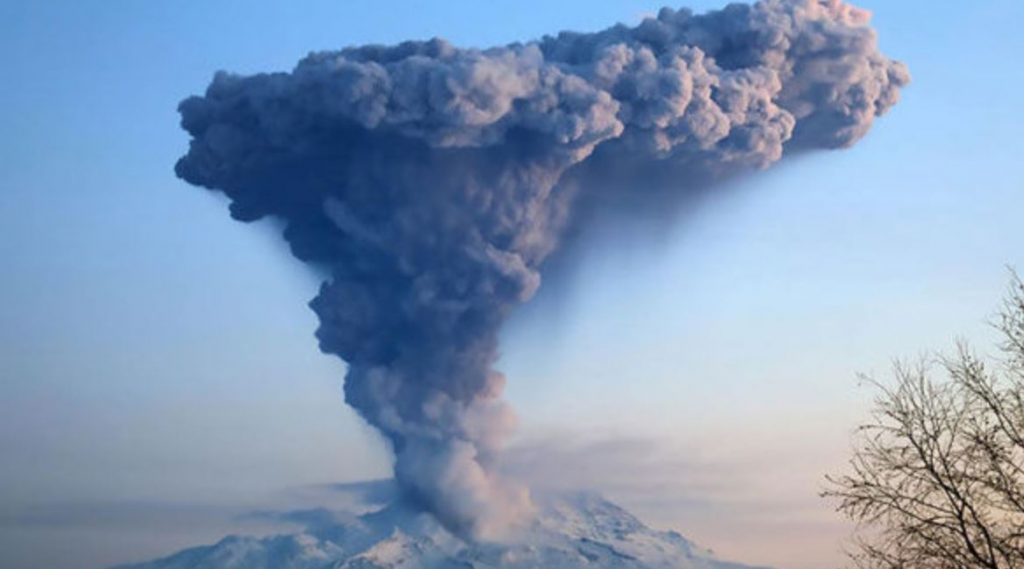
column 433, row 182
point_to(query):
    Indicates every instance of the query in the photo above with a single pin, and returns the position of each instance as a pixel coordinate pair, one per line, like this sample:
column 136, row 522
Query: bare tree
column 937, row 476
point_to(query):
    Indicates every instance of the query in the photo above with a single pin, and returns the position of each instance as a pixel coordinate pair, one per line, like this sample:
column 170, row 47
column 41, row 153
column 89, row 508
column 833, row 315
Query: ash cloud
column 433, row 181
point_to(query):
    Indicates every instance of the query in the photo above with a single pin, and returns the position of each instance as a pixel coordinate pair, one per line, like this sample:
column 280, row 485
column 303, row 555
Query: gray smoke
column 433, row 181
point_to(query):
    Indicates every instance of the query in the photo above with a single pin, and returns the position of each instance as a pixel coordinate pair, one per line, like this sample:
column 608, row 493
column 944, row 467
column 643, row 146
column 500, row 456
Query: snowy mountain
column 576, row 531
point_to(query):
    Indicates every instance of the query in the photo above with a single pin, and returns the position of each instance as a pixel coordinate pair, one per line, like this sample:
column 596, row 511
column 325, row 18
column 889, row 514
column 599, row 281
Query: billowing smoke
column 433, row 181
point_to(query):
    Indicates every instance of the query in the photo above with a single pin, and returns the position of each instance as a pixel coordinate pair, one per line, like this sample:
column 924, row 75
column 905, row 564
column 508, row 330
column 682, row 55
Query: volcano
column 570, row 531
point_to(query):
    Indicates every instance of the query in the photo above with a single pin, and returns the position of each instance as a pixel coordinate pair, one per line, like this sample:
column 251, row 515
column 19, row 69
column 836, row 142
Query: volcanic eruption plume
column 432, row 182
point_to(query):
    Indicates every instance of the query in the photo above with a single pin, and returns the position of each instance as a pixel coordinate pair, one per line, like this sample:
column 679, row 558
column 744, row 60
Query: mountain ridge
column 570, row 531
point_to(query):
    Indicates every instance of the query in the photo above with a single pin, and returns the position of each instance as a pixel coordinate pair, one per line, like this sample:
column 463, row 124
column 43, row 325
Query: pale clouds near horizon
column 746, row 504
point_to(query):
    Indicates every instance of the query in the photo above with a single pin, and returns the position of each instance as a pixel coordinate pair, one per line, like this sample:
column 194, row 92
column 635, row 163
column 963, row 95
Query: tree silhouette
column 937, row 476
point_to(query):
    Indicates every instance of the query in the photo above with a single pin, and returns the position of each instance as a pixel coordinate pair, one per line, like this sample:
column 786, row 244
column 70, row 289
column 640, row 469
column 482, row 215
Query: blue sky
column 154, row 352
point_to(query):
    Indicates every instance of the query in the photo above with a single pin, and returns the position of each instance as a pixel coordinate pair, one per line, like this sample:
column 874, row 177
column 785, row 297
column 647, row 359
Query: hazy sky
column 158, row 372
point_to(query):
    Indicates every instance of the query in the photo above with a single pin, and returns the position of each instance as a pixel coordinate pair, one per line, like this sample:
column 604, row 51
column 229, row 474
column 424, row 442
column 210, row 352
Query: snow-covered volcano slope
column 576, row 531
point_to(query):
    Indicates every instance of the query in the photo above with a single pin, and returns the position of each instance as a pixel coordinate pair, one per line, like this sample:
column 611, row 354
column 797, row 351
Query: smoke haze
column 432, row 182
